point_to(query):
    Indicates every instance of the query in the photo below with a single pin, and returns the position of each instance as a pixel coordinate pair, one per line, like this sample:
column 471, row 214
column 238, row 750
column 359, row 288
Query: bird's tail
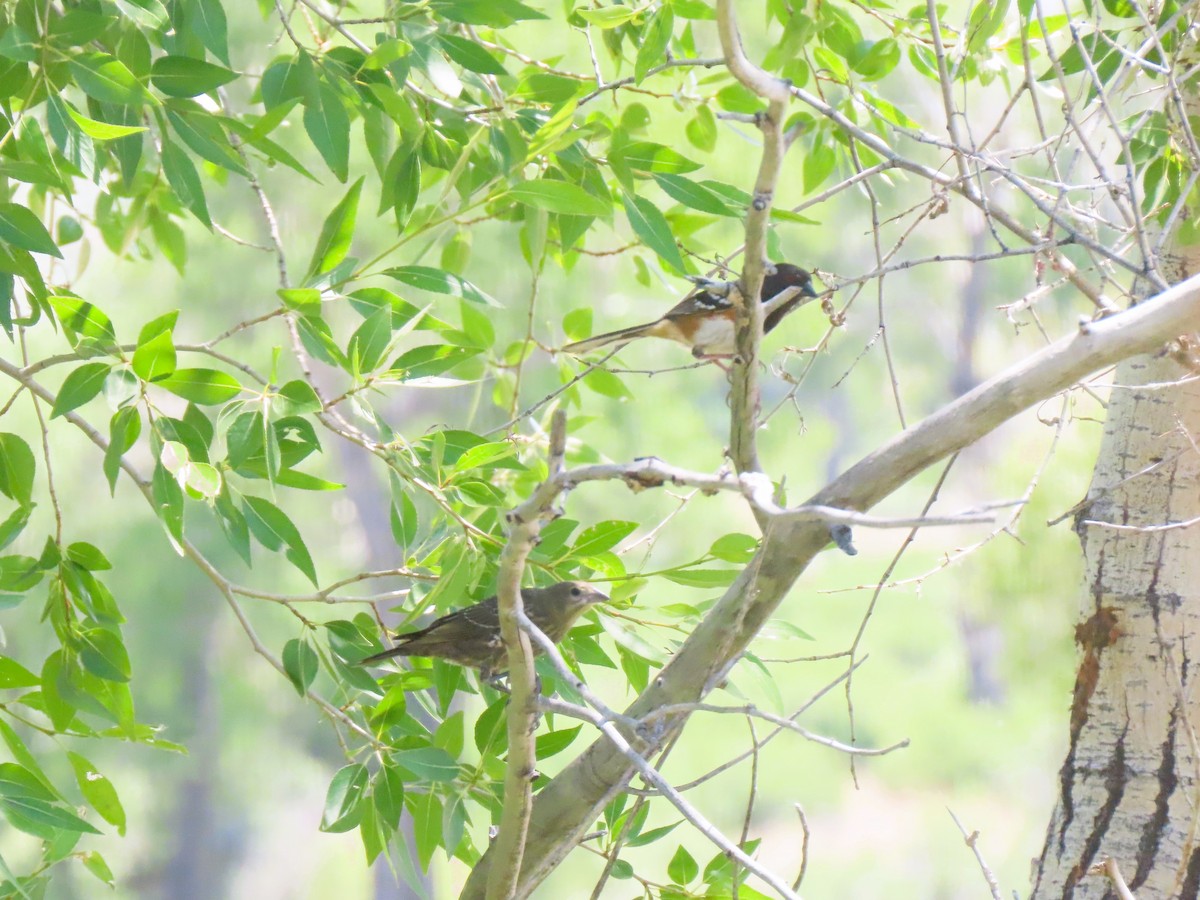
column 399, row 650
column 624, row 336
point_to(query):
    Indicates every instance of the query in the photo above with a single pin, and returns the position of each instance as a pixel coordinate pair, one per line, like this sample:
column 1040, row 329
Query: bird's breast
column 714, row 335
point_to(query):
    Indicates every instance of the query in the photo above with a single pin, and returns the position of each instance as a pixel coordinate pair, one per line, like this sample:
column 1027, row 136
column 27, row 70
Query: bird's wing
column 484, row 615
column 699, row 303
column 481, row 615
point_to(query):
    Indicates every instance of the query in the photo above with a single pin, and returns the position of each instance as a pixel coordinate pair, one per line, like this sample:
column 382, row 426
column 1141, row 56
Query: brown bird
column 704, row 320
column 471, row 636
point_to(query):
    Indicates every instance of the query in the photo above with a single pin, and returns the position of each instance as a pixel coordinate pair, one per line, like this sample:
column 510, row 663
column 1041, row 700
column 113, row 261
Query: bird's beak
column 597, row 597
column 809, row 291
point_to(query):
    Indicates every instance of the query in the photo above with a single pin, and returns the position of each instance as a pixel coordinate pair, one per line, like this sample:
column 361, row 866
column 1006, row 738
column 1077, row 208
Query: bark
column 1128, row 785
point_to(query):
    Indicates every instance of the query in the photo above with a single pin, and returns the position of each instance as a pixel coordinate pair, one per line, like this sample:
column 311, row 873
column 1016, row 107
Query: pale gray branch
column 567, row 807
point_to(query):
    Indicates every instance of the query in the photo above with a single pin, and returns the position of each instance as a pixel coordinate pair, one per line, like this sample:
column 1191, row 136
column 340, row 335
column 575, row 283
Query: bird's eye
column 576, row 592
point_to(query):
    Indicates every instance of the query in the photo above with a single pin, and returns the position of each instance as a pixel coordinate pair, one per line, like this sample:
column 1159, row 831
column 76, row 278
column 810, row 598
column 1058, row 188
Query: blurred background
column 967, row 651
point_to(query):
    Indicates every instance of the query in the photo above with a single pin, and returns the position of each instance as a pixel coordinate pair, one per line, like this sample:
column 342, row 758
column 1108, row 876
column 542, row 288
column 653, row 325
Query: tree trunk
column 1128, row 787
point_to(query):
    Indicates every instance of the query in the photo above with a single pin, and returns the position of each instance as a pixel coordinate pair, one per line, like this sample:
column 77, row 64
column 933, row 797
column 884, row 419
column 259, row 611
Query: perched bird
column 471, row 636
column 704, row 320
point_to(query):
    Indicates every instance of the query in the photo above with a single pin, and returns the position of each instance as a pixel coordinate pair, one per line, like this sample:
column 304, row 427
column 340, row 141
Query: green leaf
column 370, row 341
column 21, row 228
column 149, row 14
column 483, row 455
column 470, row 55
column 17, row 44
column 19, row 574
column 608, row 16
column 428, row 763
column 304, row 300
column 602, row 536
column 649, row 157
column 15, row 675
column 879, row 58
column 438, row 281
column 17, row 781
column 86, row 326
column 103, row 654
column 559, row 197
column 87, row 556
column 642, row 838
column 702, row 578
column 343, row 801
column 477, row 326
column 101, row 131
column 183, row 76
column 154, row 358
column 701, row 129
column 607, row 384
column 734, row 548
column 494, row 13
column 655, row 39
column 622, row 869
column 22, row 755
column 185, row 181
column 697, row 196
column 80, row 386
column 41, row 819
column 207, row 18
column 388, row 794
column 12, row 527
column 297, row 398
column 682, row 869
column 555, row 742
column 206, row 387
column 336, row 233
column 94, row 863
column 123, row 431
column 577, row 324
column 818, row 164
column 651, row 227
column 105, row 78
column 274, row 529
column 427, row 827
column 300, row 663
column 17, row 468
column 168, row 500
column 205, row 135
column 491, row 736
column 328, row 127
column 98, row 791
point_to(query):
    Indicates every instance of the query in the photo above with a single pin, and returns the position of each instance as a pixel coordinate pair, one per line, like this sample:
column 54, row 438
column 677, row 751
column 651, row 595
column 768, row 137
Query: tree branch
column 744, row 394
column 567, row 806
column 526, row 522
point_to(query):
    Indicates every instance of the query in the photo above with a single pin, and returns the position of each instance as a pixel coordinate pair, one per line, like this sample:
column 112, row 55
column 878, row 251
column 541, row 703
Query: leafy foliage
column 126, row 125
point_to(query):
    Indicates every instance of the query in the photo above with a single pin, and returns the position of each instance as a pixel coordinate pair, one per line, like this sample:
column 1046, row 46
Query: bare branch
column 604, row 721
column 972, row 841
column 677, row 709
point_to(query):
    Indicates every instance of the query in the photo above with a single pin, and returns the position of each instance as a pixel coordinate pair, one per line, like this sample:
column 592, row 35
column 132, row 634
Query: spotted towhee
column 471, row 636
column 704, row 321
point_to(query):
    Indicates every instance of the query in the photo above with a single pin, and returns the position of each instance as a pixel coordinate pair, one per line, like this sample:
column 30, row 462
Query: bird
column 704, row 320
column 471, row 636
